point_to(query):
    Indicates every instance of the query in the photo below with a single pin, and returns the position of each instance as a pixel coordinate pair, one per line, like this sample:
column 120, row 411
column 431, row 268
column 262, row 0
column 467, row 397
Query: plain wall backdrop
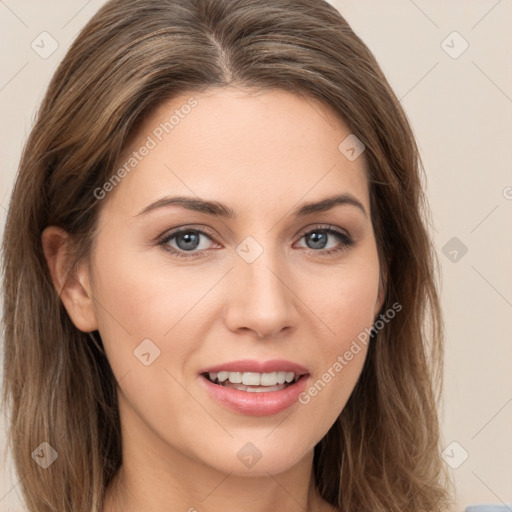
column 449, row 63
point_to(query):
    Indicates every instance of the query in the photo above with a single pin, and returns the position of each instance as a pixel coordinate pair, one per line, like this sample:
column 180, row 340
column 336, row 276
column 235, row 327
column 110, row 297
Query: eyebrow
column 221, row 210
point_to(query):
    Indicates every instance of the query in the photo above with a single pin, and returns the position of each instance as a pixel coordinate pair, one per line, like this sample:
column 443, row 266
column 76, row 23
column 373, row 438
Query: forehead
column 242, row 147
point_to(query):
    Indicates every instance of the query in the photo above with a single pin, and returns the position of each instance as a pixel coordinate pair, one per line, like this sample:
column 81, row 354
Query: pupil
column 318, row 239
column 190, row 238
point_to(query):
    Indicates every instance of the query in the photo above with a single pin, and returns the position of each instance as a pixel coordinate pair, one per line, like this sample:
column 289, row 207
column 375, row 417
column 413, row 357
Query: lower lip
column 265, row 403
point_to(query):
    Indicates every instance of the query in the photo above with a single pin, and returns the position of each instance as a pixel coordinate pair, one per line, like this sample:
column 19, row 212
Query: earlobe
column 72, row 284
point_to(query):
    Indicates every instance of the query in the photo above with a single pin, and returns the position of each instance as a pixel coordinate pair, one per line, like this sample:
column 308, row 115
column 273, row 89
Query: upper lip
column 250, row 365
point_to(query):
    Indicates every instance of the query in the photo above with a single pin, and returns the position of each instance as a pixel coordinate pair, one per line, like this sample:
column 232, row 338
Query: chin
column 260, row 454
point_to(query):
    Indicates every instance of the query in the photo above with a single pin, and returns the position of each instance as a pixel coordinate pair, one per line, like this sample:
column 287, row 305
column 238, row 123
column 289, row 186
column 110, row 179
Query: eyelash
column 346, row 240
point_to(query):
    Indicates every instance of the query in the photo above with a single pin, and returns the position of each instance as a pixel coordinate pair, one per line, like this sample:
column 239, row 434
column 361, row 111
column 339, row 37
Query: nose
column 261, row 298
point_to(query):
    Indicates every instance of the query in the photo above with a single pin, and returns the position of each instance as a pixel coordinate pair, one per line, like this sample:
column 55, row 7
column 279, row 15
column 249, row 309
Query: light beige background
column 461, row 111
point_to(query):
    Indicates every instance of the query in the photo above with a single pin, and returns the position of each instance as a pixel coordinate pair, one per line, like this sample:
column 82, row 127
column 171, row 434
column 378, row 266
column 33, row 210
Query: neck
column 214, row 492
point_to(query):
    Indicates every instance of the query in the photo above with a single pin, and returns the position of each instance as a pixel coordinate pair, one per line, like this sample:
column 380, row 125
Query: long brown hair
column 382, row 453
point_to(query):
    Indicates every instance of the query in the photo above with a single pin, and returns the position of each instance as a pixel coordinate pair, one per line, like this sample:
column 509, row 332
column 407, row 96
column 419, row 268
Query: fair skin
column 263, row 155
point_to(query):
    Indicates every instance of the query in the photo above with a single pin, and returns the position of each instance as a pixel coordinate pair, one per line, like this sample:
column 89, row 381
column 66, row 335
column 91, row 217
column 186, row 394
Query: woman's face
column 251, row 276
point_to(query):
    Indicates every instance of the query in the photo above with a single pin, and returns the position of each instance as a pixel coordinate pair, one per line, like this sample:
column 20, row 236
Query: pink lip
column 256, row 404
column 248, row 365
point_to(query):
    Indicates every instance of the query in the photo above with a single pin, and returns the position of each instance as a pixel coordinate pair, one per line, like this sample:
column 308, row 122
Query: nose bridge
column 260, row 298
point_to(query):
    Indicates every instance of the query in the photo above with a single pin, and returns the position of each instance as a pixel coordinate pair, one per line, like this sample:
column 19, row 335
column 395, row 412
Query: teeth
column 235, row 377
column 253, row 378
column 259, row 389
column 269, row 379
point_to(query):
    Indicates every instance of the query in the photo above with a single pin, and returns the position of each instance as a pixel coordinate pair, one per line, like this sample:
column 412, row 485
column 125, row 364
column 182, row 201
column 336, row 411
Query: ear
column 72, row 284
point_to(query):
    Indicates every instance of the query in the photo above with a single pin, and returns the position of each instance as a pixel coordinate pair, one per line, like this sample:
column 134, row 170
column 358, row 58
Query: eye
column 317, row 240
column 186, row 240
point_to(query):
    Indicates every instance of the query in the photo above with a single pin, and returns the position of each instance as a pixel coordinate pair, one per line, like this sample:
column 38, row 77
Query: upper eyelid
column 323, row 227
column 176, row 231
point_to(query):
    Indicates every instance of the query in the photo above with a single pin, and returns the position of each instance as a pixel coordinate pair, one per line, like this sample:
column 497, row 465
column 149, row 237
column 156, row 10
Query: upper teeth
column 252, row 378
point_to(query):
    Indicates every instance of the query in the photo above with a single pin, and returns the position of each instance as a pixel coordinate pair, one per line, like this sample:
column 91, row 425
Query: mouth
column 253, row 382
column 255, row 388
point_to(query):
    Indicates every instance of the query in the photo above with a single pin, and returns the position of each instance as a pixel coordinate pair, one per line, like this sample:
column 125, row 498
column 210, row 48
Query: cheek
column 346, row 307
column 353, row 307
column 138, row 301
column 345, row 301
column 144, row 299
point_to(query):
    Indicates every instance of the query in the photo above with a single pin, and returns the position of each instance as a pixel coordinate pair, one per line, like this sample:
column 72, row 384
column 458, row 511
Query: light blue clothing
column 489, row 508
